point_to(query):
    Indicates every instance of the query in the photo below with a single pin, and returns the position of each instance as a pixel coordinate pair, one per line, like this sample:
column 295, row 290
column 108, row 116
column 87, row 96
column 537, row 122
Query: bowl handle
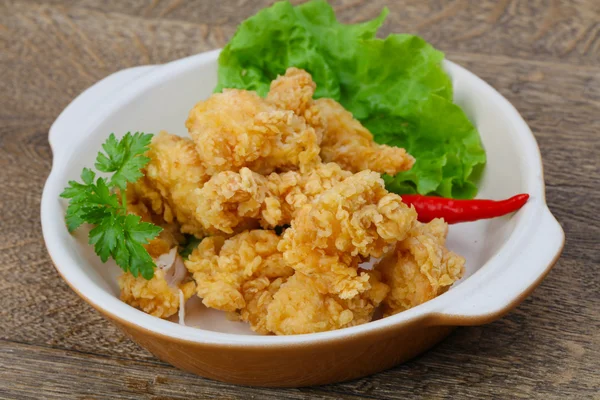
column 80, row 112
column 506, row 289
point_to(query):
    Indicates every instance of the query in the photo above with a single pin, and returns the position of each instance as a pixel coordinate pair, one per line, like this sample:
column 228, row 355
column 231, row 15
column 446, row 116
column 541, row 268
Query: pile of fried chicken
column 286, row 194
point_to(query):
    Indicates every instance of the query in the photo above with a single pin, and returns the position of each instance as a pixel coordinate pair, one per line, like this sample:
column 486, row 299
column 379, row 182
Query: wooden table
column 544, row 56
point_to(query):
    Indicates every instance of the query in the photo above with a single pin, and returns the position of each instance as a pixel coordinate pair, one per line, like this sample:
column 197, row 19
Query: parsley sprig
column 96, row 201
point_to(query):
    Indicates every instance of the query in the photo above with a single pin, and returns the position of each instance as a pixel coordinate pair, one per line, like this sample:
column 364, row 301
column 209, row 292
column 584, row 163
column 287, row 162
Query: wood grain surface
column 543, row 55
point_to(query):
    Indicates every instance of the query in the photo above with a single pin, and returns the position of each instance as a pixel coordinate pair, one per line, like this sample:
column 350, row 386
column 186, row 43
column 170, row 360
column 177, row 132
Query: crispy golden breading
column 290, row 191
column 294, row 91
column 355, row 219
column 237, row 128
column 153, row 296
column 163, row 243
column 235, row 274
column 171, row 179
column 420, row 268
column 351, row 145
column 364, row 305
column 343, row 139
column 300, row 307
column 169, row 237
column 235, row 201
column 258, row 295
column 232, row 200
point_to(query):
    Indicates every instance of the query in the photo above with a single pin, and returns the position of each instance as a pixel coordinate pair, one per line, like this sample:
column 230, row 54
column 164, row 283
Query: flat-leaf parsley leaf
column 96, row 201
column 124, row 158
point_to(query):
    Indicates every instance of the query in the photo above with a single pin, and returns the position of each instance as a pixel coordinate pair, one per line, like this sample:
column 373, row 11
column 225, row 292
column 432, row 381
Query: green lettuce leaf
column 395, row 86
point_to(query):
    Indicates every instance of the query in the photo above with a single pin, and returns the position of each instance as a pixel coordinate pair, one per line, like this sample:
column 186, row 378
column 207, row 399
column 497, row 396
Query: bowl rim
column 430, row 313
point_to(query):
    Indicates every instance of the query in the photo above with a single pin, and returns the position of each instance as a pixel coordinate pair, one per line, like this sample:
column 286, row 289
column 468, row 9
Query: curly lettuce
column 395, row 86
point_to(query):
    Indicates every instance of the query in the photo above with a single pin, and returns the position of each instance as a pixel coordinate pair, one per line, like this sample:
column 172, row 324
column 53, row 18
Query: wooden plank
column 52, row 50
column 544, row 30
column 29, row 371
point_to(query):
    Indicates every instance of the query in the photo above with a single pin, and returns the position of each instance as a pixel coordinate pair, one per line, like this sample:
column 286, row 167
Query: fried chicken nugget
column 294, row 91
column 258, row 295
column 292, row 190
column 240, row 274
column 170, row 236
column 237, row 128
column 343, row 139
column 348, row 143
column 300, row 307
column 345, row 225
column 234, row 201
column 155, row 296
column 420, row 268
column 170, row 182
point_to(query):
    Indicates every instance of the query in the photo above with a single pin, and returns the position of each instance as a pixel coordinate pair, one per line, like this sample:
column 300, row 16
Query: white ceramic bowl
column 506, row 257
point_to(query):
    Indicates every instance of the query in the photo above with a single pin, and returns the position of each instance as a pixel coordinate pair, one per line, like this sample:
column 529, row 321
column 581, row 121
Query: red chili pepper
column 454, row 211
